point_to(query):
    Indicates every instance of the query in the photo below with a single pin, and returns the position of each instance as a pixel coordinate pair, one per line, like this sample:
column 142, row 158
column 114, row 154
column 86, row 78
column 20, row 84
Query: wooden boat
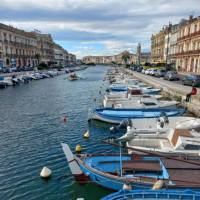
column 160, row 124
column 115, row 116
column 130, row 94
column 123, row 88
column 112, row 171
column 179, row 141
column 154, row 194
column 73, row 77
column 139, row 102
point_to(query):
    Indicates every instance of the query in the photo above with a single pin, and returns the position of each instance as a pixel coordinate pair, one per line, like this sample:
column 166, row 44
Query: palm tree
column 126, row 57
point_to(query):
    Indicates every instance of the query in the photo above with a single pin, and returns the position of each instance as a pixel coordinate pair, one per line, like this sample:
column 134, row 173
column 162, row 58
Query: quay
column 170, row 89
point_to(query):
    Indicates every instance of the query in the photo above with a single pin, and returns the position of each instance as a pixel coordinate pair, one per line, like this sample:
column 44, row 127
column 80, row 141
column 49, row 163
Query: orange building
column 188, row 46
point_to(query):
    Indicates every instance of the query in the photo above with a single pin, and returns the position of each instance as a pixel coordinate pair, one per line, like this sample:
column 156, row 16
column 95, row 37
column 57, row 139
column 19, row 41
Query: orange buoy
column 65, row 119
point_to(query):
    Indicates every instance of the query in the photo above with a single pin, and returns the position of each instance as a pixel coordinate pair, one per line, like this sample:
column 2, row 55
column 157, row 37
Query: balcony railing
column 197, row 33
column 185, row 53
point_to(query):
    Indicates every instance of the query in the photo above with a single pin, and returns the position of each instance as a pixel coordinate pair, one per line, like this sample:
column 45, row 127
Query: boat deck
column 183, row 174
column 138, row 165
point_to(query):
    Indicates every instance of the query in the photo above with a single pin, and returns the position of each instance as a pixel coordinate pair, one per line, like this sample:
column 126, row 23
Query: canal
column 32, row 128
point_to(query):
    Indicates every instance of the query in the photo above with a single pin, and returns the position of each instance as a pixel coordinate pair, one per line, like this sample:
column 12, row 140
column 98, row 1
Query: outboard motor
column 160, row 123
column 166, row 119
column 164, row 116
column 123, row 125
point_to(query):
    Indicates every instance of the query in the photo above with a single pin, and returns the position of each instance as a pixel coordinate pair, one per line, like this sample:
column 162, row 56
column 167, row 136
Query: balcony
column 188, row 53
column 197, row 33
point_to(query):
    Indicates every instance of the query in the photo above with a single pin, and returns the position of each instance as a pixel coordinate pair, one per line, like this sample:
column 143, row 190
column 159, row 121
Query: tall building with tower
column 138, row 54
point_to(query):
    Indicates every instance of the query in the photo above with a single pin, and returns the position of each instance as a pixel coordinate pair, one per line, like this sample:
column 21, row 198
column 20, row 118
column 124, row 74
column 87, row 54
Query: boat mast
column 120, row 158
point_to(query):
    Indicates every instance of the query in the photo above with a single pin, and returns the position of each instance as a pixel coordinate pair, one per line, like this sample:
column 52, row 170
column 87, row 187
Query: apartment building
column 188, row 46
column 17, row 47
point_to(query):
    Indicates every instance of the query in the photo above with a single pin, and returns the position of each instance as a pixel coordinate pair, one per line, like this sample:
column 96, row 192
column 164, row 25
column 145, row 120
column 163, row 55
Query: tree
column 126, row 57
column 37, row 56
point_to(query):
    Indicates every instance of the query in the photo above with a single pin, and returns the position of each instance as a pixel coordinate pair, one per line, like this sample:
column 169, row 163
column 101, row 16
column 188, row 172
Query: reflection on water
column 32, row 128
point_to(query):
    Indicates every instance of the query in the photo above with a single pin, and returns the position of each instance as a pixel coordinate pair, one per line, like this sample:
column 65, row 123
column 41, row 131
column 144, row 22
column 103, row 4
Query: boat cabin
column 184, row 139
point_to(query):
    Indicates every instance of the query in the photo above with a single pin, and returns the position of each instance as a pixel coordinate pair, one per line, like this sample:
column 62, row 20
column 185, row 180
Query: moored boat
column 173, row 141
column 139, row 102
column 160, row 124
column 154, row 194
column 112, row 171
column 73, row 77
column 124, row 88
column 115, row 116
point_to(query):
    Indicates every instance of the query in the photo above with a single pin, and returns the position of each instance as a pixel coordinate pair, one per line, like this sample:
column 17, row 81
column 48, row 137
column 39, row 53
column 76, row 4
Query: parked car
column 171, row 76
column 193, row 80
column 160, row 73
column 153, row 71
column 134, row 68
column 6, row 70
column 143, row 71
column 147, row 71
column 13, row 69
column 139, row 69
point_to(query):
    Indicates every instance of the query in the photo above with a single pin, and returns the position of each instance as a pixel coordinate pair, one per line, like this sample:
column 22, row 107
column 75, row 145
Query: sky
column 97, row 27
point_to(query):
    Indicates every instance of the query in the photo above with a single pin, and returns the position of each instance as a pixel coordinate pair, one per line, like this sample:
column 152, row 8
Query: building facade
column 71, row 59
column 60, row 56
column 173, row 36
column 45, row 47
column 158, row 46
column 145, row 58
column 115, row 59
column 18, row 48
column 188, row 46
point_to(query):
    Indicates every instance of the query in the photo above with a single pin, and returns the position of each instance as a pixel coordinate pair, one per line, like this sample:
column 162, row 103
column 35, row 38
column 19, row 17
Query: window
column 192, row 147
column 5, row 36
column 195, row 28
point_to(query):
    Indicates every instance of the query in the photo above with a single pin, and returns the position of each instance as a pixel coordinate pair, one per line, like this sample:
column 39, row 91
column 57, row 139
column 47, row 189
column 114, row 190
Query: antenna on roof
column 37, row 31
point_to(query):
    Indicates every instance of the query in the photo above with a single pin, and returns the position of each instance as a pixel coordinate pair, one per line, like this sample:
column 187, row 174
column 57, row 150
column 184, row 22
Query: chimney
column 190, row 17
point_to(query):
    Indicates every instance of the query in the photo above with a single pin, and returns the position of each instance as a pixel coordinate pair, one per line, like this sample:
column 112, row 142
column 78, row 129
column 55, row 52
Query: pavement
column 171, row 88
column 164, row 84
column 15, row 73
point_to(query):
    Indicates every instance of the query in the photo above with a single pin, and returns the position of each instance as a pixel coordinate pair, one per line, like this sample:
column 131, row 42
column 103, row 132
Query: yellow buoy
column 78, row 148
column 158, row 185
column 86, row 134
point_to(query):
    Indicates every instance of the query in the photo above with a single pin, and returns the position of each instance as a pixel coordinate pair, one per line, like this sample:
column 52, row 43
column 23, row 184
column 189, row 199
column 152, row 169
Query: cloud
column 108, row 25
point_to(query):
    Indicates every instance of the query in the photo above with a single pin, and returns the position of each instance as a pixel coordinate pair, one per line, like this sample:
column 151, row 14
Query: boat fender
column 158, row 185
column 45, row 173
column 127, row 186
column 86, row 134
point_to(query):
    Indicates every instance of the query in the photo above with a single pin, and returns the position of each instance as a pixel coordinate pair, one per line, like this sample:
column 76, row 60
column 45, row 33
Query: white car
column 147, row 71
column 153, row 71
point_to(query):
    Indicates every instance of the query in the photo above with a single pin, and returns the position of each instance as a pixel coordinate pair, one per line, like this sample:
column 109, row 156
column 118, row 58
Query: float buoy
column 45, row 173
column 86, row 134
column 158, row 185
column 78, row 148
column 127, row 186
column 65, row 119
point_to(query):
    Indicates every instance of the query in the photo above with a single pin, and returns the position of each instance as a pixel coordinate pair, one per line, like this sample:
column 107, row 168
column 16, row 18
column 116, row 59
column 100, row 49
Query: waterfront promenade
column 172, row 88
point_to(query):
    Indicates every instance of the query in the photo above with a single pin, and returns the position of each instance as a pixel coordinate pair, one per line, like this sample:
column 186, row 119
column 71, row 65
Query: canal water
column 32, row 128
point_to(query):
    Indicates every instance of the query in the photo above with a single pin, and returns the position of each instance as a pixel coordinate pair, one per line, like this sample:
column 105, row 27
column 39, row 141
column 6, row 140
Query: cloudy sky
column 97, row 27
